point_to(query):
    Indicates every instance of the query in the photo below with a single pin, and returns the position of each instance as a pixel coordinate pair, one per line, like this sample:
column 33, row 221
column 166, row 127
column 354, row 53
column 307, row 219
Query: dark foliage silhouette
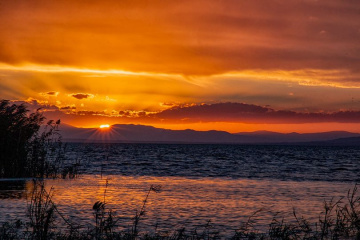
column 27, row 150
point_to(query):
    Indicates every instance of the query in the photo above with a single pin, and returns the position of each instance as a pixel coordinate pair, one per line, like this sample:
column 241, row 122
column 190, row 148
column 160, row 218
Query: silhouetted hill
column 141, row 133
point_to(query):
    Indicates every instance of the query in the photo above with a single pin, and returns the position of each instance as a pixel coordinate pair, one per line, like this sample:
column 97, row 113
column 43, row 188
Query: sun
column 104, row 126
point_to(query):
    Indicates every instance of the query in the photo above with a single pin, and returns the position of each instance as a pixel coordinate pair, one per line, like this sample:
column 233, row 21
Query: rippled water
column 298, row 163
column 222, row 183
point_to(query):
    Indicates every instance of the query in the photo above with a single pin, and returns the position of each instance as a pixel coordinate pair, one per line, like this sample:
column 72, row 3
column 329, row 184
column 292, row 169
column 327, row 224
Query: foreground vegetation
column 338, row 220
column 28, row 147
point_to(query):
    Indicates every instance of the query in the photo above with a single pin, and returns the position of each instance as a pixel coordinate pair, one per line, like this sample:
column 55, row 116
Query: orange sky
column 98, row 62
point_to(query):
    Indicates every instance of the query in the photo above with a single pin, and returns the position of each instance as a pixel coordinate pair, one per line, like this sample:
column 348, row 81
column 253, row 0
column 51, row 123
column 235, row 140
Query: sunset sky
column 286, row 66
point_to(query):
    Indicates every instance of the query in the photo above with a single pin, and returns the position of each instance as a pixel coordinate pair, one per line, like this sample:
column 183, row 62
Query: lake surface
column 225, row 184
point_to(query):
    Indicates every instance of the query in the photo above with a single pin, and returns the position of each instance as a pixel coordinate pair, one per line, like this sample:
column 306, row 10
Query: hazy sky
column 214, row 64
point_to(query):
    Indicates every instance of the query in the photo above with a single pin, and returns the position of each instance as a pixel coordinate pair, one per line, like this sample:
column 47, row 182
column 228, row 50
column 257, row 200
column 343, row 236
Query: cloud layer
column 187, row 37
column 247, row 113
column 219, row 112
column 261, row 61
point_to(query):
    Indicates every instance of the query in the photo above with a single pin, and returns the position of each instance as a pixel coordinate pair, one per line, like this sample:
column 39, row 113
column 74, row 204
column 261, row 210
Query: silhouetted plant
column 71, row 171
column 46, row 152
column 338, row 220
column 16, row 131
column 12, row 230
column 26, row 150
column 41, row 211
column 247, row 229
column 141, row 212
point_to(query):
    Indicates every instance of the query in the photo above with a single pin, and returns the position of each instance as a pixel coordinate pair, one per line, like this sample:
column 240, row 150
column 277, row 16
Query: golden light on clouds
column 191, row 37
column 133, row 59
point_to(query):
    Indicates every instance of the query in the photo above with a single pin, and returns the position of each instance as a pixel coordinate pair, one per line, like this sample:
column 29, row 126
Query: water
column 297, row 163
column 225, row 184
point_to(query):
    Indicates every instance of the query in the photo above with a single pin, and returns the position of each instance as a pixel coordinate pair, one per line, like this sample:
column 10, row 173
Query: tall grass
column 29, row 147
column 41, row 212
column 338, row 219
column 17, row 132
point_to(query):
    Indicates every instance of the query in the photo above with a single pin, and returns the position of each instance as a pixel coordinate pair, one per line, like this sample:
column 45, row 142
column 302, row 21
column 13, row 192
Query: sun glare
column 104, row 126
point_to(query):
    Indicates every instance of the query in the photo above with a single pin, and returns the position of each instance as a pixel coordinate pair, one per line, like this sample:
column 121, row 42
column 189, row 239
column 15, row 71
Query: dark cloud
column 68, row 108
column 34, row 105
column 52, row 93
column 219, row 112
column 247, row 113
column 49, row 94
column 124, row 113
column 91, row 113
column 168, row 104
column 81, row 95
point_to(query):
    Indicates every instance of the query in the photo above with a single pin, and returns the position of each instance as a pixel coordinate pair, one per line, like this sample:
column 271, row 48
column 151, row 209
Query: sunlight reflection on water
column 183, row 202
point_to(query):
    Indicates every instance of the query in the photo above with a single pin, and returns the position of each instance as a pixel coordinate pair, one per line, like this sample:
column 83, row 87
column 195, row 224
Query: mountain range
column 120, row 133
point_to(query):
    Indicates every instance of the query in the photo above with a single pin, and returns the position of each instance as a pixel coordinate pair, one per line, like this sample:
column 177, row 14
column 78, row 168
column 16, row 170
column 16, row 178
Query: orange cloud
column 187, row 37
column 140, row 59
column 202, row 113
column 68, row 108
column 248, row 113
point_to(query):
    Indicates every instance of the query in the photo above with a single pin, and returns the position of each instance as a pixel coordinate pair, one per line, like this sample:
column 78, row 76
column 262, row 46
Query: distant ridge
column 120, row 133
